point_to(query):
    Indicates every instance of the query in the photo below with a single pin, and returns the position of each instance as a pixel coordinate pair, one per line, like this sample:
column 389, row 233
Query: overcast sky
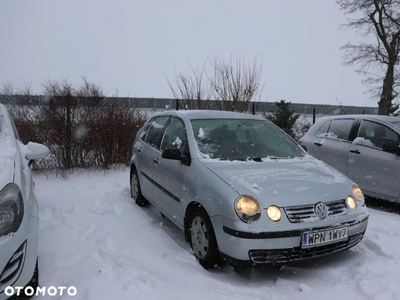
column 132, row 46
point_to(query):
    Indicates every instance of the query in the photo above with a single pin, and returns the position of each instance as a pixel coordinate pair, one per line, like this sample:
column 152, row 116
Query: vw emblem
column 321, row 210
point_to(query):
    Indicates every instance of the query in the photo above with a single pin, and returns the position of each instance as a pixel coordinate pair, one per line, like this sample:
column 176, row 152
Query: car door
column 332, row 143
column 148, row 151
column 168, row 174
column 376, row 171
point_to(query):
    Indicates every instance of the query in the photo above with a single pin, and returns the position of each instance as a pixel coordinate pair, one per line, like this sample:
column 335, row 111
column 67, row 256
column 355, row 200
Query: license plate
column 316, row 238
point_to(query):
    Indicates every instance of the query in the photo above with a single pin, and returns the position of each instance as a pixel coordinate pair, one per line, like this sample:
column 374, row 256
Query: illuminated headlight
column 358, row 195
column 248, row 209
column 350, row 202
column 11, row 209
column 274, row 213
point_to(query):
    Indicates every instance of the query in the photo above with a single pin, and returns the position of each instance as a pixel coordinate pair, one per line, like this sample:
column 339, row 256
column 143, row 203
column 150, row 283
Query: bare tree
column 58, row 116
column 18, row 95
column 8, row 89
column 89, row 98
column 22, row 113
column 234, row 86
column 380, row 18
column 192, row 89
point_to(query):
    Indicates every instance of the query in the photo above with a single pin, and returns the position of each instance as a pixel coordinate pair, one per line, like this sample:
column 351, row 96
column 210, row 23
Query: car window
column 340, row 129
column 155, row 130
column 324, row 129
column 242, row 139
column 375, row 134
column 175, row 136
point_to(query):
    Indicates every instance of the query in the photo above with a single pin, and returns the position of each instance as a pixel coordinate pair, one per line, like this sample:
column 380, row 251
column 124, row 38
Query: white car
column 19, row 219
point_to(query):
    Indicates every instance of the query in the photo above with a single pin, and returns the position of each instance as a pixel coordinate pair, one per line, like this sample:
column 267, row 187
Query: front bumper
column 297, row 253
column 18, row 255
column 282, row 246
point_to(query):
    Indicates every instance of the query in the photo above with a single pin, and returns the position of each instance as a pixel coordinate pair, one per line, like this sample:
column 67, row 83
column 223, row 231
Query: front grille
column 297, row 253
column 13, row 268
column 306, row 213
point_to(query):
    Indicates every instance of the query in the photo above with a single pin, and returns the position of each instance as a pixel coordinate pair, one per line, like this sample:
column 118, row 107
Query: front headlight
column 274, row 213
column 358, row 195
column 350, row 202
column 11, row 209
column 248, row 209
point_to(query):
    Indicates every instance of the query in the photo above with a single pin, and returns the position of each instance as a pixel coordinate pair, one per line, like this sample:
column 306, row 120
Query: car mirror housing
column 174, row 154
column 36, row 150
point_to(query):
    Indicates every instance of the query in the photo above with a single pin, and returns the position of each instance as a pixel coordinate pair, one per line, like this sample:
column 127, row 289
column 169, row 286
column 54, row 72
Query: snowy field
column 93, row 237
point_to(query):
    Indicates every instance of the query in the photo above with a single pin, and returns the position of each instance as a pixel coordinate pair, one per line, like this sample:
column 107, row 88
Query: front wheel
column 203, row 240
column 136, row 192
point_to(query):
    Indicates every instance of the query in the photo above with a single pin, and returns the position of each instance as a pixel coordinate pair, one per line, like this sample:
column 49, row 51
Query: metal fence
column 169, row 103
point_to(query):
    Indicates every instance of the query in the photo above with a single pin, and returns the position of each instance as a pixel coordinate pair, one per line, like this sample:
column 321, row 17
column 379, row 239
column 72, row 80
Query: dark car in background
column 364, row 147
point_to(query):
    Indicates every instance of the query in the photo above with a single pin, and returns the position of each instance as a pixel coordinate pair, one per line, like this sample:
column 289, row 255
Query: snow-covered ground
column 93, row 237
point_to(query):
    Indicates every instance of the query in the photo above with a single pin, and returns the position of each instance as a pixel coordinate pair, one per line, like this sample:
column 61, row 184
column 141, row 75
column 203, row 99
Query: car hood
column 7, row 160
column 283, row 182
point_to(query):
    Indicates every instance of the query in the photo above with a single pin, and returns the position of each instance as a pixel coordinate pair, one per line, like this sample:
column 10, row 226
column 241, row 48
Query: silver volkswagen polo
column 242, row 190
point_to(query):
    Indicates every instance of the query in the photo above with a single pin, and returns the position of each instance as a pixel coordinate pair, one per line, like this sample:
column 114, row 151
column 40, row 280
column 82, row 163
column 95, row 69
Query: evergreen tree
column 284, row 117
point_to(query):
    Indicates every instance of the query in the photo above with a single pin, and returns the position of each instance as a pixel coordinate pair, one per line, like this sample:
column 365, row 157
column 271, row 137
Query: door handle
column 155, row 160
column 318, row 144
column 356, row 151
column 139, row 150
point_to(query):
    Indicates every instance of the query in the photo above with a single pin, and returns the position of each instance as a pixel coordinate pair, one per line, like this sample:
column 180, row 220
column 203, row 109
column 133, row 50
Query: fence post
column 313, row 115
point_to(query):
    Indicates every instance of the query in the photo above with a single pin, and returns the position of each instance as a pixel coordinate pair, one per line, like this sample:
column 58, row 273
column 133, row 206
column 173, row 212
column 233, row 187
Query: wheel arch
column 133, row 168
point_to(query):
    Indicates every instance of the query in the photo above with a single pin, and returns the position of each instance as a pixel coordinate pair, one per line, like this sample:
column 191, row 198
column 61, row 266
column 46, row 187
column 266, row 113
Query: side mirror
column 391, row 147
column 36, row 150
column 174, row 154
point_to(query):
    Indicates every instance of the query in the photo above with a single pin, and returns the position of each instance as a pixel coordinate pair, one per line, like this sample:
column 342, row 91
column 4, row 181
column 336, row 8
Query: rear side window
column 375, row 135
column 340, row 129
column 155, row 130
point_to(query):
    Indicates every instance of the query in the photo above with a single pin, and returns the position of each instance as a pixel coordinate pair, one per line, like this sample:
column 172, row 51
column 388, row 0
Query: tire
column 136, row 192
column 202, row 240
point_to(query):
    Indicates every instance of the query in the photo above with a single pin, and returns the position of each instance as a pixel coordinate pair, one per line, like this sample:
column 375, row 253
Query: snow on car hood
column 283, row 182
column 7, row 155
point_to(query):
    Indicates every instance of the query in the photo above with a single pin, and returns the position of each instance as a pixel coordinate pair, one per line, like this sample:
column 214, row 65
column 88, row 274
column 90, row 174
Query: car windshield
column 242, row 139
